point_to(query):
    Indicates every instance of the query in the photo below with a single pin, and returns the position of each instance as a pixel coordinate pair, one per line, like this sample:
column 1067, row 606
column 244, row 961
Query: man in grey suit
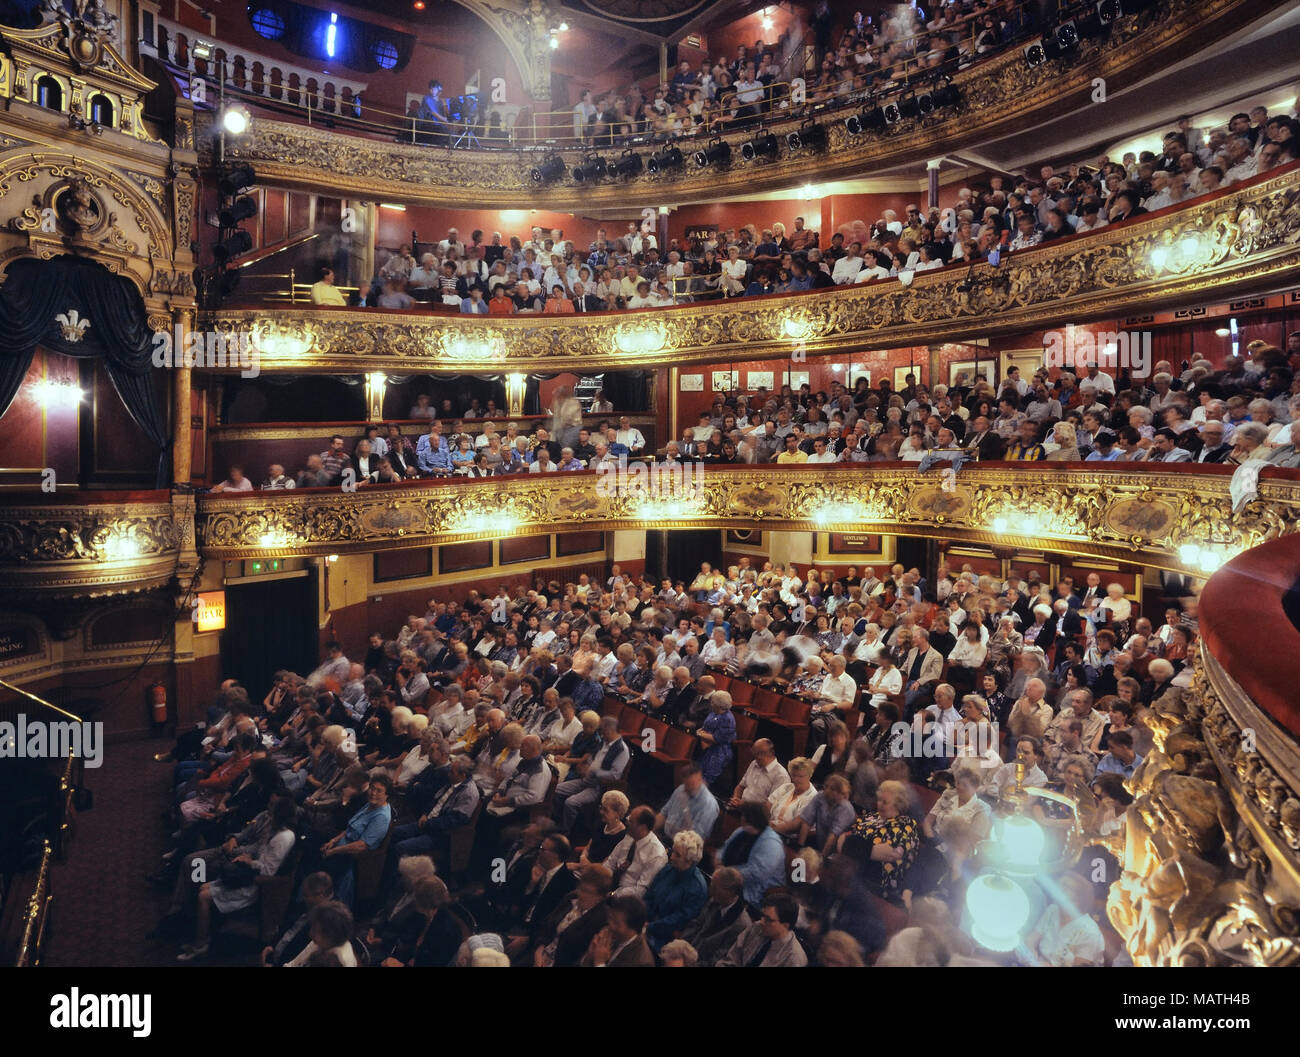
column 770, row 943
column 722, row 920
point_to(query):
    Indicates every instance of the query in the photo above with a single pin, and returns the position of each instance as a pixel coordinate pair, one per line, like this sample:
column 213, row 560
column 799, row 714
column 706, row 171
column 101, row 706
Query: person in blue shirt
column 678, row 892
column 474, row 304
column 432, row 454
column 1103, row 447
column 755, row 849
column 365, row 832
column 691, row 808
column 1122, row 759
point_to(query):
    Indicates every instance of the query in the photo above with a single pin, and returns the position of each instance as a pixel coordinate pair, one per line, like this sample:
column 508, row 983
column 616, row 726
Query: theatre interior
column 338, row 630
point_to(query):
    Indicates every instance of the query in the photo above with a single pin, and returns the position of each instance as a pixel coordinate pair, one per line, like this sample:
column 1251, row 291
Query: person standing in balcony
column 434, row 115
column 566, row 416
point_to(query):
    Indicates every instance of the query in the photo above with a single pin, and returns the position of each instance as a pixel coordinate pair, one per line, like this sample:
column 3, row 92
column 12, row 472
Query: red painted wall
column 395, row 226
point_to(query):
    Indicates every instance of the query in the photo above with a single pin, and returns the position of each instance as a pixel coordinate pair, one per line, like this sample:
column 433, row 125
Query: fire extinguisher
column 158, row 697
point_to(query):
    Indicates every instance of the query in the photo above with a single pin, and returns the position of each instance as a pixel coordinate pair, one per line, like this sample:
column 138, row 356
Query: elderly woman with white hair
column 1042, row 632
column 678, row 892
column 1116, row 610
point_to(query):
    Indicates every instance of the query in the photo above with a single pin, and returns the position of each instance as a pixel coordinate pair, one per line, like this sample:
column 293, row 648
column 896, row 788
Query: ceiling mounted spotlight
column 590, row 170
column 240, row 209
column 763, row 145
column 628, row 164
column 809, row 135
column 239, row 242
column 1067, row 35
column 1108, row 11
column 239, row 178
column 892, row 113
column 925, row 103
column 718, row 152
column 1035, row 54
column 551, row 169
column 668, row 158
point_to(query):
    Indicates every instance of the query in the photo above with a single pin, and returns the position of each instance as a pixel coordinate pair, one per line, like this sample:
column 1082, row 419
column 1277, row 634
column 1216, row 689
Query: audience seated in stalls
column 392, row 818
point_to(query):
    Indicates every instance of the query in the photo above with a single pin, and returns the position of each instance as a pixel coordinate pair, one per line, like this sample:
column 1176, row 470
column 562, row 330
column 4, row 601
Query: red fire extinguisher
column 158, row 696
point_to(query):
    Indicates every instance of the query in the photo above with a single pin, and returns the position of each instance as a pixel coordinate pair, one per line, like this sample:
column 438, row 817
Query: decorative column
column 376, row 384
column 932, row 179
column 182, row 453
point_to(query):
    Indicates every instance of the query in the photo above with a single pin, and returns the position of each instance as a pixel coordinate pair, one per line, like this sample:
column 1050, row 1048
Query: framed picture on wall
column 726, row 381
column 854, row 375
column 987, row 370
column 794, row 379
column 692, row 383
column 745, row 537
column 759, row 380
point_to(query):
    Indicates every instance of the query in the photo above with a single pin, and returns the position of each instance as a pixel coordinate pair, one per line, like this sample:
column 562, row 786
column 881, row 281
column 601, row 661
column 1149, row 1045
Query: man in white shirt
column 838, row 688
column 847, row 268
column 762, row 777
column 629, row 435
column 734, row 271
column 822, row 453
column 639, row 856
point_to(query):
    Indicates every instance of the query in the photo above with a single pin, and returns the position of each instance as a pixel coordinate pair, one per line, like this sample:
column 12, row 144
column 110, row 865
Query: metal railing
column 515, row 127
column 31, row 949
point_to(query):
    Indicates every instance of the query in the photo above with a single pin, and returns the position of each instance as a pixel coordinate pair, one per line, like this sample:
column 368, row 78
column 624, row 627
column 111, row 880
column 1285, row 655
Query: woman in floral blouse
column 885, row 842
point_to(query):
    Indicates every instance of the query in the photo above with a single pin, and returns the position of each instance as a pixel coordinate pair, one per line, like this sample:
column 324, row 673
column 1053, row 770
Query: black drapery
column 35, row 293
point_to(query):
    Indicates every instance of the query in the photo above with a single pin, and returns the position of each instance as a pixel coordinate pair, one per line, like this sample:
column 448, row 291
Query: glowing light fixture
column 331, row 34
column 236, row 120
column 1022, row 841
column 999, row 909
column 51, row 394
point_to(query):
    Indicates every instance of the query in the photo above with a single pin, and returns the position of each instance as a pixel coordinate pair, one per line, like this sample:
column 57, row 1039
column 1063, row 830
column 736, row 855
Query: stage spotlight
column 551, row 169
column 1067, row 36
column 239, row 242
column 925, row 103
column 947, row 94
column 871, row 119
column 239, row 209
column 236, row 119
column 1035, row 54
column 628, row 164
column 763, row 145
column 668, row 158
column 718, row 152
column 809, row 135
column 908, row 106
column 239, row 178
column 892, row 113
column 1108, row 11
column 592, row 169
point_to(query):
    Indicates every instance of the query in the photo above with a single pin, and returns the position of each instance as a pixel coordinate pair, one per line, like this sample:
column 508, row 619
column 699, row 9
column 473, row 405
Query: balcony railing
column 1127, row 511
column 1232, row 242
column 293, row 154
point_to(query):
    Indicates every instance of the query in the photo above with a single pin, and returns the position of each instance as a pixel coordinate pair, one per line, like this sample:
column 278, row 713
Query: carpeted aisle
column 102, row 906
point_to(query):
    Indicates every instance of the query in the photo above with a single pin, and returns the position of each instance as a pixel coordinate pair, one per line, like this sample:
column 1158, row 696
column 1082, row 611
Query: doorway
column 677, row 553
column 270, row 625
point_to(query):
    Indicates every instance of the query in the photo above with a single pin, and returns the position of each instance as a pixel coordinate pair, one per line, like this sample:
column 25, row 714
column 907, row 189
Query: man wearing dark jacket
column 564, row 937
column 722, row 920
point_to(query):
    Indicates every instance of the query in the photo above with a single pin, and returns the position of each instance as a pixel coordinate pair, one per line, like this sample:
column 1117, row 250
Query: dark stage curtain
column 36, row 292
